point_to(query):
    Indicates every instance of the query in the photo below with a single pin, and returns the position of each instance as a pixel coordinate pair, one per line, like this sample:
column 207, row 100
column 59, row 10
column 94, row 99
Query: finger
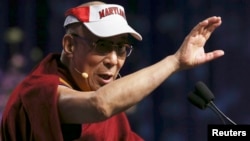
column 209, row 29
column 215, row 20
column 207, row 25
column 214, row 55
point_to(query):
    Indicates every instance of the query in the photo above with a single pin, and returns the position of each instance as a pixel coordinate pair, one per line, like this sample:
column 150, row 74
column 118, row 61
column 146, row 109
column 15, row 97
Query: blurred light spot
column 36, row 54
column 14, row 35
column 17, row 61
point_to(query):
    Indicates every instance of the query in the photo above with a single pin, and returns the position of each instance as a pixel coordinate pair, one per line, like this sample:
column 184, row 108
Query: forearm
column 129, row 90
column 115, row 97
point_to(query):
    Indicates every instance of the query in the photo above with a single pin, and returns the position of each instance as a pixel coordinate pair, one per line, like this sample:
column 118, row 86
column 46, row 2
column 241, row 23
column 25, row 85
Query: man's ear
column 68, row 44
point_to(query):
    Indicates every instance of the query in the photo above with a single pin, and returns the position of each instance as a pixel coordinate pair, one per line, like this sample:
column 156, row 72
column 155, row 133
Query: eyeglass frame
column 129, row 47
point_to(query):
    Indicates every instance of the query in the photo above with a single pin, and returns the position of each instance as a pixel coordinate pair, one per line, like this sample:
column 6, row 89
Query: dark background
column 30, row 29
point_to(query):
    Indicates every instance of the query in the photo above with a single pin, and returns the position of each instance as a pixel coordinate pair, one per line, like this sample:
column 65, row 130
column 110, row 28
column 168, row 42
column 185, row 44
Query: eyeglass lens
column 104, row 47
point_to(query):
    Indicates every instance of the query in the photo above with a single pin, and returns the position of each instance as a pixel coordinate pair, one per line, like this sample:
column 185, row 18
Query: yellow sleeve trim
column 64, row 82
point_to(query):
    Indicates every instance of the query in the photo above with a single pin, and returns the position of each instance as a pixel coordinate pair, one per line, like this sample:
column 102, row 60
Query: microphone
column 202, row 97
column 84, row 74
column 197, row 101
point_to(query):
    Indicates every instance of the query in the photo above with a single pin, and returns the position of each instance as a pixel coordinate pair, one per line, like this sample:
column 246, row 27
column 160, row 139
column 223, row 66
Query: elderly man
column 76, row 95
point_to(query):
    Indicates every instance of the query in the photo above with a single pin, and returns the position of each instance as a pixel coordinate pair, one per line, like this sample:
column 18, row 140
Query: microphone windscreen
column 204, row 92
column 197, row 101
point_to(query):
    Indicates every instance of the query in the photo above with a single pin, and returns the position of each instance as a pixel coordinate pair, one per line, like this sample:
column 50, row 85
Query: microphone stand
column 221, row 115
column 202, row 97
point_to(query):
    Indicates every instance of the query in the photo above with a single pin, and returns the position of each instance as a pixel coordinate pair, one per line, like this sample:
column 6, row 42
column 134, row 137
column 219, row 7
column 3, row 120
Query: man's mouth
column 105, row 78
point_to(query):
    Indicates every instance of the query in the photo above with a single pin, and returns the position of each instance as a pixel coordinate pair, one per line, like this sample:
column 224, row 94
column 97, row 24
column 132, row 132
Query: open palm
column 192, row 52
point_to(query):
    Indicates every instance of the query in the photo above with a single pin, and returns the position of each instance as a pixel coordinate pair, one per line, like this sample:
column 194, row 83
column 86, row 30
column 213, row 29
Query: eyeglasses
column 104, row 47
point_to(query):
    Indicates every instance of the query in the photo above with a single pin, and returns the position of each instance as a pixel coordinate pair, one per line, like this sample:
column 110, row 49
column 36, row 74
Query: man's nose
column 111, row 58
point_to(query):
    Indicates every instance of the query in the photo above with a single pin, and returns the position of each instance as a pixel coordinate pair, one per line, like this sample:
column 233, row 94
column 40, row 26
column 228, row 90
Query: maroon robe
column 31, row 113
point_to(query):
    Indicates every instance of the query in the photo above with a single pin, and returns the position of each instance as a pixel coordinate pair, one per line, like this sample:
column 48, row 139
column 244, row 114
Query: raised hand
column 192, row 52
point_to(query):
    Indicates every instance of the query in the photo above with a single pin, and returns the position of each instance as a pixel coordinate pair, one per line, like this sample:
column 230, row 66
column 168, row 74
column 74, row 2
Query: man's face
column 100, row 58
